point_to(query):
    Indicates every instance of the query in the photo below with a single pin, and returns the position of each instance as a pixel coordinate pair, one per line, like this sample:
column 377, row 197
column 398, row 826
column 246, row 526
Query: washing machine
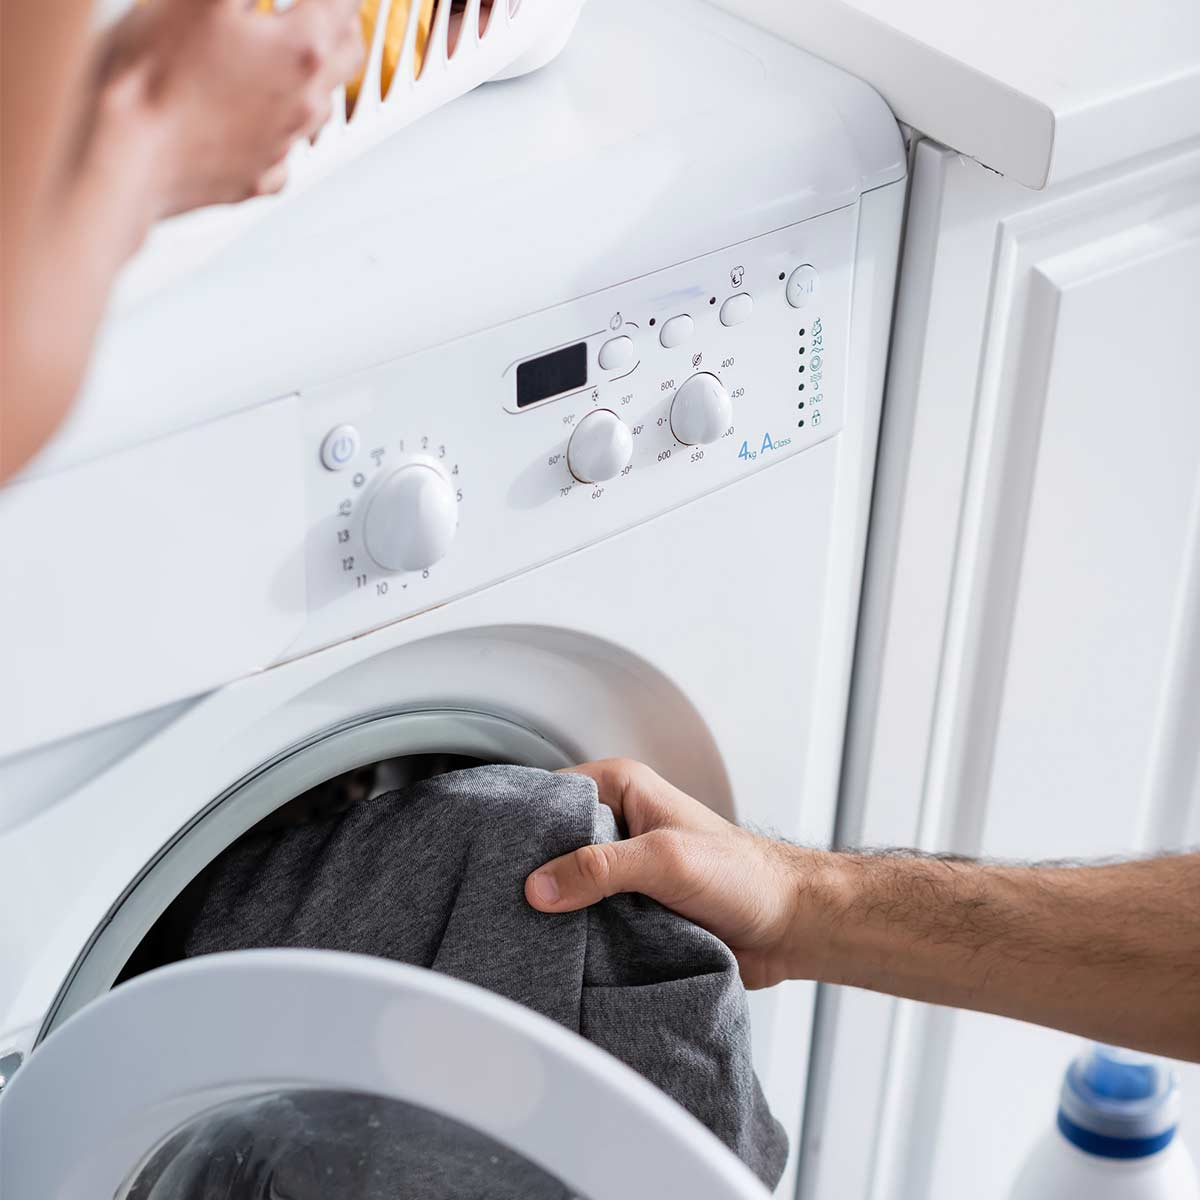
column 544, row 432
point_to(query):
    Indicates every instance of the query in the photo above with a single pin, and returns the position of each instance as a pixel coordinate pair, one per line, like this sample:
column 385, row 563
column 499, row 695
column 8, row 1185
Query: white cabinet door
column 1028, row 678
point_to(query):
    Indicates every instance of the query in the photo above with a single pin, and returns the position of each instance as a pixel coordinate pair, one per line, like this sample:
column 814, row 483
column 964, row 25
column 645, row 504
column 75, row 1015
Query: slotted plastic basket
column 414, row 65
column 510, row 38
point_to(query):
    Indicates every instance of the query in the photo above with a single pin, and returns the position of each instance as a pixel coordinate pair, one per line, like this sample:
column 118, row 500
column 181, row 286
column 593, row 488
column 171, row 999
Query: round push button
column 677, row 331
column 737, row 309
column 339, row 447
column 616, row 353
column 802, row 286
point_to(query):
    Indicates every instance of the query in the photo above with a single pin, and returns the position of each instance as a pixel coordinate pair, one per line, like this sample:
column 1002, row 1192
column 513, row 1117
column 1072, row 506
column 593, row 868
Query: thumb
column 591, row 873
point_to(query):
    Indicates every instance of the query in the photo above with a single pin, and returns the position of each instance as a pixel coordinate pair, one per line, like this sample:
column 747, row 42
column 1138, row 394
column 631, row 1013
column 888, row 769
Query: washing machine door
column 306, row 1074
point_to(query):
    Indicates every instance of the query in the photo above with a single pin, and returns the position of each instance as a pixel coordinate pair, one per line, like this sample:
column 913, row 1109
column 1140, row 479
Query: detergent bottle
column 1115, row 1137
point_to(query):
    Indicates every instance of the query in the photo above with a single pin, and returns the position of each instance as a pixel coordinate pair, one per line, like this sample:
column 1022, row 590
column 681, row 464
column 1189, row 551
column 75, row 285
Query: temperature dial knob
column 701, row 410
column 411, row 519
column 600, row 447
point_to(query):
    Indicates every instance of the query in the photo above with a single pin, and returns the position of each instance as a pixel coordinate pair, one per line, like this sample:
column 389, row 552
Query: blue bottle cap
column 1119, row 1104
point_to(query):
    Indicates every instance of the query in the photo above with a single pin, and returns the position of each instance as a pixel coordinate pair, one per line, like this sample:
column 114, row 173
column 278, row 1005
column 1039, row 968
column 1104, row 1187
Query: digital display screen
column 562, row 371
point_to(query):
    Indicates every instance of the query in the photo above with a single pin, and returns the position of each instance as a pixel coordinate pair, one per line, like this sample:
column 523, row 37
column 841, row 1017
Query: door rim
column 149, row 1056
column 323, row 755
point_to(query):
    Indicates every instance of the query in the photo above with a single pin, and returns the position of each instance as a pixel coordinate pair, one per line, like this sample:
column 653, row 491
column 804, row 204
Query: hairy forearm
column 1110, row 952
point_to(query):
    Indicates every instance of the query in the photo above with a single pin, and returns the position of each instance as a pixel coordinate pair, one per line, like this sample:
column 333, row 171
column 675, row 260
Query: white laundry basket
column 517, row 36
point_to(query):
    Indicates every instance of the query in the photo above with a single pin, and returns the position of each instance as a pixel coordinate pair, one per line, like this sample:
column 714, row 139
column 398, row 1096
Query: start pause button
column 802, row 286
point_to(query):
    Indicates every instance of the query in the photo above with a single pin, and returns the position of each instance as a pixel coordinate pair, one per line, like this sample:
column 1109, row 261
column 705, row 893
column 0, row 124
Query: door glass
column 312, row 1144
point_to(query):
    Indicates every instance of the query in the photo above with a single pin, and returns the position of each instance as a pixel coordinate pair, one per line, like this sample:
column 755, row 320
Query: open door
column 310, row 1074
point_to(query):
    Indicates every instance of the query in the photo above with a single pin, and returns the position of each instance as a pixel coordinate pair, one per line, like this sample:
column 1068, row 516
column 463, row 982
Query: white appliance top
column 1038, row 91
column 654, row 138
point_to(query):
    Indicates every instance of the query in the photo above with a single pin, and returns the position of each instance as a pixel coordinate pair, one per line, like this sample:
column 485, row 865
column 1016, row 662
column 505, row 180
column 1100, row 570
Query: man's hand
column 744, row 888
column 220, row 90
column 1111, row 952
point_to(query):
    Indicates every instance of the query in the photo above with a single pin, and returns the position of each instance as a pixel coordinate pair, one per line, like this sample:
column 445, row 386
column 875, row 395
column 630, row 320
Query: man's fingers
column 660, row 859
column 609, row 786
column 593, row 872
column 641, row 799
column 622, row 784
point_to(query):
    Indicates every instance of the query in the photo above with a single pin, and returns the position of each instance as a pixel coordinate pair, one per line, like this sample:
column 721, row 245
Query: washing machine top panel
column 183, row 564
column 562, row 308
column 663, row 132
column 160, row 1077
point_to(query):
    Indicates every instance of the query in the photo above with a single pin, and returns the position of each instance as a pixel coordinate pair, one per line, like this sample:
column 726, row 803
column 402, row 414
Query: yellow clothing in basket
column 393, row 40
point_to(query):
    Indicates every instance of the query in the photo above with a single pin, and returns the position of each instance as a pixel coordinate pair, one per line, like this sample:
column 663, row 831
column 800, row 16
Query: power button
column 339, row 447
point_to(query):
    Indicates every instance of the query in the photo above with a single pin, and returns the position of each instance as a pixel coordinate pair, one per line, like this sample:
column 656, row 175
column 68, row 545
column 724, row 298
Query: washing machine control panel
column 437, row 474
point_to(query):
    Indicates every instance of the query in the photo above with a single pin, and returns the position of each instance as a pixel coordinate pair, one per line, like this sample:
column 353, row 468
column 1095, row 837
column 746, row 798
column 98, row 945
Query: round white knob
column 411, row 519
column 600, row 447
column 701, row 410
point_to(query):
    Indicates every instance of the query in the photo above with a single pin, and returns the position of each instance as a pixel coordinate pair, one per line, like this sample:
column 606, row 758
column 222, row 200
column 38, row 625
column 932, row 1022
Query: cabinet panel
column 1097, row 664
column 1083, row 667
column 1028, row 677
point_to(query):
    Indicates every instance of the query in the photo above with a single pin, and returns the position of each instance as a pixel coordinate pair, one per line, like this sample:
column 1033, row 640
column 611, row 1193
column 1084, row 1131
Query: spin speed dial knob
column 600, row 448
column 411, row 520
column 701, row 410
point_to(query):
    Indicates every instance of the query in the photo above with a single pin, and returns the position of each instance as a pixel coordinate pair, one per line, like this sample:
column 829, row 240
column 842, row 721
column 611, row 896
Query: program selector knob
column 701, row 410
column 600, row 448
column 411, row 520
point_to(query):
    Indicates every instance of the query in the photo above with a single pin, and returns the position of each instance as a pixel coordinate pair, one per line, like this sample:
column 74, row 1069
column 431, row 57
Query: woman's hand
column 187, row 103
column 217, row 91
column 744, row 888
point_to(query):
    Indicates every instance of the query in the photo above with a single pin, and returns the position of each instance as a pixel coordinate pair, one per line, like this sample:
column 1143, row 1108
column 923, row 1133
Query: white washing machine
column 544, row 432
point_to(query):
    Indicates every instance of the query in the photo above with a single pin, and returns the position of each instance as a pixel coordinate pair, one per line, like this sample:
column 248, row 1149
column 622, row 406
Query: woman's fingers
column 327, row 39
column 273, row 179
column 333, row 11
column 315, row 114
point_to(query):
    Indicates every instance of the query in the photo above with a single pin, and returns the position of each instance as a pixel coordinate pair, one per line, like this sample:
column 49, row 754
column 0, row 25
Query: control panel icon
column 339, row 447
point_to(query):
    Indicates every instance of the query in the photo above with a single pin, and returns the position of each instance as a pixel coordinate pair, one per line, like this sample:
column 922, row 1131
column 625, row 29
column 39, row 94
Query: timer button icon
column 339, row 447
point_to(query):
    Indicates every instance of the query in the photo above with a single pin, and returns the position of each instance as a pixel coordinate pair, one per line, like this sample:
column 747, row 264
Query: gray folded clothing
column 434, row 875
